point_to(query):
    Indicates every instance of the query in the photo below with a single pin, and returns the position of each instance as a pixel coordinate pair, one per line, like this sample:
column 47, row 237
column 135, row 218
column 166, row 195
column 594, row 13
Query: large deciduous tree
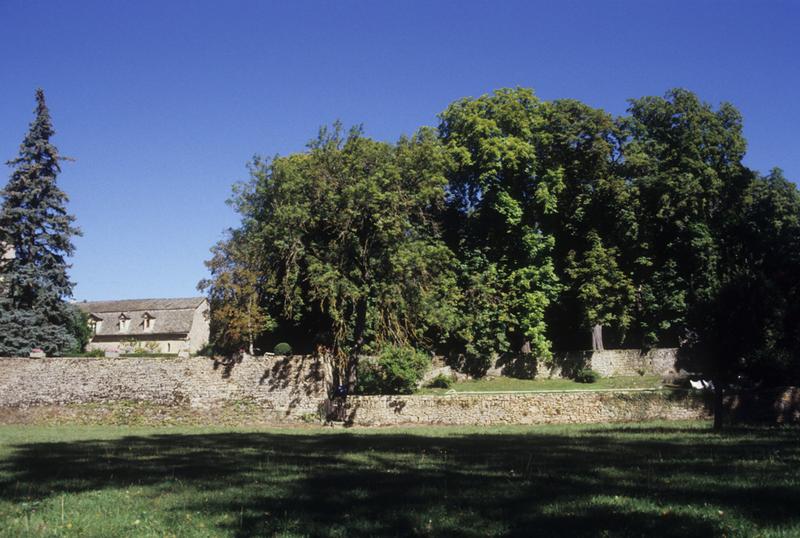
column 745, row 329
column 499, row 196
column 346, row 239
column 595, row 225
column 706, row 283
column 517, row 214
column 37, row 230
column 685, row 160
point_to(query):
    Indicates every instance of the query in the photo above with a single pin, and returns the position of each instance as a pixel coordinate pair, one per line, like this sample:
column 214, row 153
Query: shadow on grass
column 620, row 481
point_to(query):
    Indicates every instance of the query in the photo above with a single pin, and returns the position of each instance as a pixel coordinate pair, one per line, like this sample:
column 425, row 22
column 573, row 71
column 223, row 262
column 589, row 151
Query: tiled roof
column 141, row 304
column 169, row 316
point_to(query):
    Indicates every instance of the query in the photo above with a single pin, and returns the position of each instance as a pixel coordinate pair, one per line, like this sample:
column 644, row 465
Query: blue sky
column 163, row 103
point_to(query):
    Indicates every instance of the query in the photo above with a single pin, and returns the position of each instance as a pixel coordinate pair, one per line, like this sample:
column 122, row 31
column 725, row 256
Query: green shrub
column 95, row 353
column 282, row 349
column 397, row 370
column 78, row 327
column 587, row 375
column 441, row 381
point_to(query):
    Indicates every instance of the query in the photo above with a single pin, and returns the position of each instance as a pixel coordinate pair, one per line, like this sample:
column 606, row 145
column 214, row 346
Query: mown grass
column 656, row 479
column 490, row 384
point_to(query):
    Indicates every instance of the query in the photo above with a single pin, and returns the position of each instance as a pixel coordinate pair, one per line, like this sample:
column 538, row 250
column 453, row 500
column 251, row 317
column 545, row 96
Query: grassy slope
column 658, row 479
column 510, row 383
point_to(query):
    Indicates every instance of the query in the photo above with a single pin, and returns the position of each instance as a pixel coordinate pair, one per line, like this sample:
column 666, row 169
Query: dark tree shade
column 37, row 231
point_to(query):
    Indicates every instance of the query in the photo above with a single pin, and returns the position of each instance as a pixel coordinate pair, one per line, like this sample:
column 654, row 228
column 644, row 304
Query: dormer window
column 124, row 323
column 95, row 324
column 147, row 321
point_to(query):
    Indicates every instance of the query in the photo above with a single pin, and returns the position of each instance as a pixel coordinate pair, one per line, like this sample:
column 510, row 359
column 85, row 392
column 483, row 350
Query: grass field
column 490, row 384
column 656, row 479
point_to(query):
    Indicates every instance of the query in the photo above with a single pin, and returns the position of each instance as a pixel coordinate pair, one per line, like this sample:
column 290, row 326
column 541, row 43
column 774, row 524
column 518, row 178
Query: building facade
column 150, row 325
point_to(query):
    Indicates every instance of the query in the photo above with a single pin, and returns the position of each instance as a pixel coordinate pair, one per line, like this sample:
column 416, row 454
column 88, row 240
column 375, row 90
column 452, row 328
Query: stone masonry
column 607, row 363
column 265, row 390
column 283, row 387
column 568, row 407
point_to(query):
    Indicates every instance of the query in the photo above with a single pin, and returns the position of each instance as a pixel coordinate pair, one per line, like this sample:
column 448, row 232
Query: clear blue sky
column 162, row 103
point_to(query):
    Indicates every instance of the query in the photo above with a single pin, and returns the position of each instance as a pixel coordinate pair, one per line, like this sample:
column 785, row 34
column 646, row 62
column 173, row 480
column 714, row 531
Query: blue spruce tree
column 35, row 239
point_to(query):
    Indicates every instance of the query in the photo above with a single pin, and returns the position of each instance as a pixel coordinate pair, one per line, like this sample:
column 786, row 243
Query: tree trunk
column 351, row 376
column 250, row 324
column 719, row 410
column 597, row 337
column 358, row 334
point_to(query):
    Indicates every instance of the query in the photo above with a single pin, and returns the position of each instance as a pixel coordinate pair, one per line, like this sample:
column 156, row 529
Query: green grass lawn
column 656, row 479
column 509, row 383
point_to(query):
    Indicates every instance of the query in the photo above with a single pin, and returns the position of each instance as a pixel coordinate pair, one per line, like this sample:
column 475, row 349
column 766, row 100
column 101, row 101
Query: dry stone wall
column 263, row 390
column 280, row 387
column 778, row 406
column 622, row 362
column 569, row 407
column 608, row 363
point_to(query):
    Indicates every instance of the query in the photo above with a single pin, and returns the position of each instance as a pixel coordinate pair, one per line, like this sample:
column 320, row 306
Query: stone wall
column 567, row 407
column 622, row 362
column 263, row 390
column 778, row 406
column 278, row 387
column 608, row 363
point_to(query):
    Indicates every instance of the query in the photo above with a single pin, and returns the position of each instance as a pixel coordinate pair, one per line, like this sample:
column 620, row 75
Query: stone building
column 154, row 325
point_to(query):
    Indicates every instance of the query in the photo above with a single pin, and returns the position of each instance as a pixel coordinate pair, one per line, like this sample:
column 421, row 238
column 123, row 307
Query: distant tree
column 34, row 221
column 606, row 293
column 236, row 292
column 78, row 327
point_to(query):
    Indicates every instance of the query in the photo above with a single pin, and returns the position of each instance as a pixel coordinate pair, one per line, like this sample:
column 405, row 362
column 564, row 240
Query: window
column 123, row 323
column 147, row 322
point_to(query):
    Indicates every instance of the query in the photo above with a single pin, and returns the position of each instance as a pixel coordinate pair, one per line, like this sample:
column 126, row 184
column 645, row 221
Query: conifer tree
column 36, row 237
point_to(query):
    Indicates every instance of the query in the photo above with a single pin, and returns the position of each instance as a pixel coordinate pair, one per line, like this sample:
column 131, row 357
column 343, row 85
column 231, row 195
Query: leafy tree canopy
column 517, row 220
column 346, row 235
column 499, row 197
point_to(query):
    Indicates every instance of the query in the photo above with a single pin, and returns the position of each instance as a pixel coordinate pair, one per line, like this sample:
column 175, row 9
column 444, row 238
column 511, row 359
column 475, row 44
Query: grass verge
column 493, row 384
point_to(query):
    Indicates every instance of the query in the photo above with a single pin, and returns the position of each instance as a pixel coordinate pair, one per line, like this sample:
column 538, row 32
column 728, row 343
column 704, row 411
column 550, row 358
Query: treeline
column 519, row 226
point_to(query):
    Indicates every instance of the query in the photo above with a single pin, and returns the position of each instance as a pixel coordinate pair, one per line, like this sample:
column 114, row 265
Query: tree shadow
column 520, row 366
column 621, row 481
column 227, row 363
column 563, row 364
column 297, row 373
